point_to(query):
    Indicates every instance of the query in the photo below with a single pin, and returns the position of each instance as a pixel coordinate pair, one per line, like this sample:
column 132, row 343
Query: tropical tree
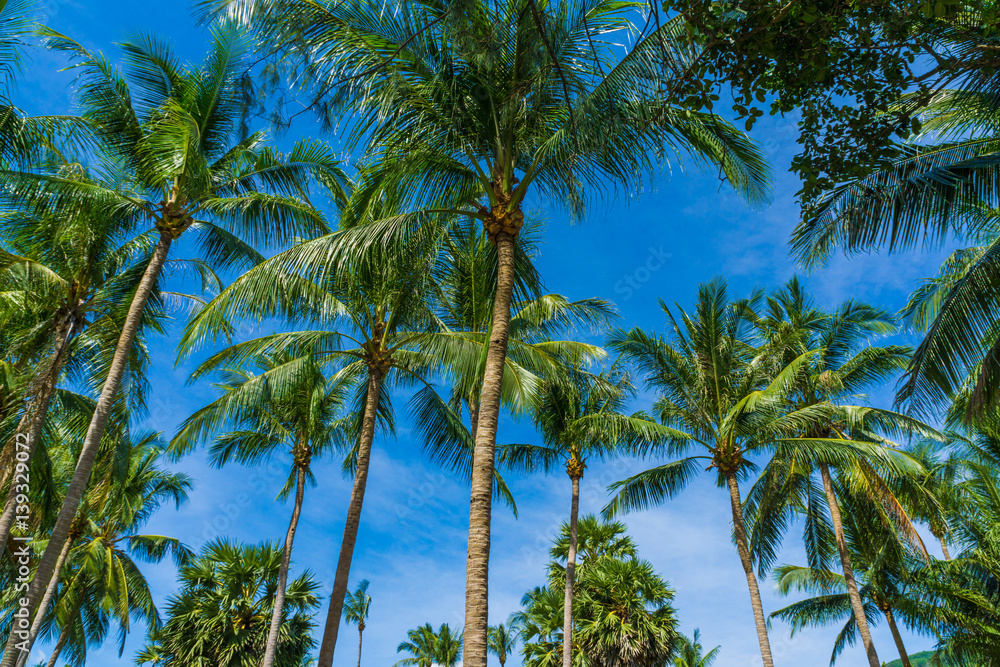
column 222, row 613
column 471, row 110
column 579, row 419
column 503, row 640
column 356, row 608
column 75, row 269
column 103, row 582
column 189, row 166
column 623, row 612
column 285, row 405
column 427, row 647
column 691, row 653
column 537, row 350
column 369, row 324
column 885, row 564
column 714, row 398
column 964, row 591
column 942, row 183
column 844, row 367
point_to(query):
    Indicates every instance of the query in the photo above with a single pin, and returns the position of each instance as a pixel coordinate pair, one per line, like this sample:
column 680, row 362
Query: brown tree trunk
column 361, row 631
column 353, row 521
column 739, row 528
column 92, row 441
column 50, row 593
column 574, row 511
column 271, row 647
column 33, row 420
column 473, row 418
column 896, row 637
column 483, row 462
column 64, row 634
column 857, row 606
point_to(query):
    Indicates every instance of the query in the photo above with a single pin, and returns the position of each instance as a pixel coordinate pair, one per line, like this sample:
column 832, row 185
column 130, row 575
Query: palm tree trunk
column 353, row 521
column 361, row 631
column 574, row 511
column 473, row 418
column 64, row 634
column 483, row 462
column 944, row 547
column 896, row 637
column 857, row 606
column 92, row 441
column 739, row 528
column 50, row 592
column 271, row 647
column 34, row 418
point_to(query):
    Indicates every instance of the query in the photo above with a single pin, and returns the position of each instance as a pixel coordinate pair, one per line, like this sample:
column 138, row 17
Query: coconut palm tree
column 715, row 399
column 503, row 640
column 370, row 325
column 177, row 131
column 356, row 608
column 844, row 367
column 103, row 582
column 222, row 613
column 580, row 419
column 427, row 647
column 690, row 653
column 886, row 566
column 76, row 270
column 287, row 405
column 477, row 111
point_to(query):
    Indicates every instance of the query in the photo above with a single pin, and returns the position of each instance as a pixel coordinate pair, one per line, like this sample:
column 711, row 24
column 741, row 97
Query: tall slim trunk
column 92, row 441
column 857, row 606
column 34, row 418
column 483, row 461
column 50, row 593
column 64, row 634
column 63, row 638
column 271, row 647
column 361, row 632
column 739, row 528
column 353, row 521
column 574, row 511
column 896, row 637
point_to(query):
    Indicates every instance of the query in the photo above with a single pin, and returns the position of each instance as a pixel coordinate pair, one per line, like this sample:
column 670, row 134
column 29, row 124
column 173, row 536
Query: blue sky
column 663, row 242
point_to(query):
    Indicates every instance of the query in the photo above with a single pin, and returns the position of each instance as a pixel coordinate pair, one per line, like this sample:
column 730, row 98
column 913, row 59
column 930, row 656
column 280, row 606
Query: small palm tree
column 356, row 608
column 690, row 652
column 503, row 640
column 623, row 612
column 221, row 615
column 187, row 165
column 287, row 406
column 579, row 419
column 428, row 648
